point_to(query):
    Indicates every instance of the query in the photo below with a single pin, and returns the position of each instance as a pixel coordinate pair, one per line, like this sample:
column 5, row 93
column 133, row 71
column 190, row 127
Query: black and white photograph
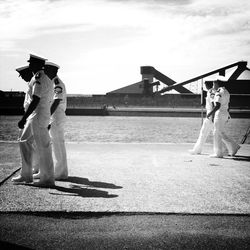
column 124, row 124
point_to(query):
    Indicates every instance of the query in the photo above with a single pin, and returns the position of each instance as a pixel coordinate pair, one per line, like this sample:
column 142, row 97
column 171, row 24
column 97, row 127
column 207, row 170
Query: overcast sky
column 101, row 44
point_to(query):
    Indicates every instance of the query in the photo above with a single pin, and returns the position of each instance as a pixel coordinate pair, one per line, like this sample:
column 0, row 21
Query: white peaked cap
column 52, row 64
column 20, row 69
column 35, row 57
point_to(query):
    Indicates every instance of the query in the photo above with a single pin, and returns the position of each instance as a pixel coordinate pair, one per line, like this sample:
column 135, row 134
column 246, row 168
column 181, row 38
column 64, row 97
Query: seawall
column 183, row 105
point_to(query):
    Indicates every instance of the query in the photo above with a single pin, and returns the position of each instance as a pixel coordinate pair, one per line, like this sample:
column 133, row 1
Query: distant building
column 238, row 82
column 147, row 86
column 10, row 94
column 132, row 89
column 11, row 102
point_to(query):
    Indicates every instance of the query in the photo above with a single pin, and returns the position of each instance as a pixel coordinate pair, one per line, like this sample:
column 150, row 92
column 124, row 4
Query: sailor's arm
column 35, row 101
column 54, row 105
column 215, row 108
column 58, row 89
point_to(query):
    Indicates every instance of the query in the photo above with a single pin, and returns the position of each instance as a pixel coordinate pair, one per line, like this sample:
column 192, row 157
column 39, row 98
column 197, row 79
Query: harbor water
column 127, row 129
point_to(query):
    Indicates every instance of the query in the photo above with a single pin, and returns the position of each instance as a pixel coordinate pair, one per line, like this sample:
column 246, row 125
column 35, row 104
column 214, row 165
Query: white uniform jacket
column 210, row 99
column 40, row 85
column 222, row 96
column 59, row 93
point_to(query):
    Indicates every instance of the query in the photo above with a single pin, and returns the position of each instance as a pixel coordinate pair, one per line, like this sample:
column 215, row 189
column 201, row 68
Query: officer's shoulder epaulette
column 218, row 92
column 38, row 75
column 58, row 89
column 56, row 81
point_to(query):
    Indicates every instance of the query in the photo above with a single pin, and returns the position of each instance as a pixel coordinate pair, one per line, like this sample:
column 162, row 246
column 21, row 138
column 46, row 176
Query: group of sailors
column 217, row 115
column 42, row 125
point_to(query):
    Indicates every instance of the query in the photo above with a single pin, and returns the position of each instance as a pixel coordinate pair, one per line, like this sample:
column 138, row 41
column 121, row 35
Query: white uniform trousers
column 59, row 150
column 35, row 155
column 26, row 146
column 31, row 133
column 35, row 161
column 206, row 128
column 219, row 135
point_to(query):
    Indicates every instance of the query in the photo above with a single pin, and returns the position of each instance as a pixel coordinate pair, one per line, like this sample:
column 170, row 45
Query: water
column 130, row 129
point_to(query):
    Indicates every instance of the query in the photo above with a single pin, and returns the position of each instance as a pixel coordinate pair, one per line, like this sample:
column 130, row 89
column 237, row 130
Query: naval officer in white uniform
column 34, row 124
column 26, row 75
column 207, row 125
column 57, row 123
column 221, row 116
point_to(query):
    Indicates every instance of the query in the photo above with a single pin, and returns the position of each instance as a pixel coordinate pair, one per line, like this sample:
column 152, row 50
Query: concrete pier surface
column 153, row 181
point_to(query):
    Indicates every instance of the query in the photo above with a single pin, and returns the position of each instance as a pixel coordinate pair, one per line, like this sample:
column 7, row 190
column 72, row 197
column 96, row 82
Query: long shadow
column 85, row 181
column 241, row 158
column 235, row 158
column 76, row 190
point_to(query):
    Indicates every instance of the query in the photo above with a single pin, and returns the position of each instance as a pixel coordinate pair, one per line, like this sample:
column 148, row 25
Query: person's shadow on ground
column 77, row 190
column 85, row 181
column 238, row 158
column 241, row 158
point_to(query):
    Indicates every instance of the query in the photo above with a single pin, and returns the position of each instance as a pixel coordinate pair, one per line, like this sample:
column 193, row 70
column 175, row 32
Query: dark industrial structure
column 152, row 91
column 235, row 84
column 238, row 85
column 146, row 85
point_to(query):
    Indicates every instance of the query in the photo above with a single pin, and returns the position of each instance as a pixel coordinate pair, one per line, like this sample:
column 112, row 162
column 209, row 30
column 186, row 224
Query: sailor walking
column 34, row 124
column 221, row 116
column 26, row 75
column 57, row 123
column 207, row 125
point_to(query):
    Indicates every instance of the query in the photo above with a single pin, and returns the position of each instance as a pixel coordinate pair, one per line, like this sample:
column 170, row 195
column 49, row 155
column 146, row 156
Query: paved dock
column 138, row 179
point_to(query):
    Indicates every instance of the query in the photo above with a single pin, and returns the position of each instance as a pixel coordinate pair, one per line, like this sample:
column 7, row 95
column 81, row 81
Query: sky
column 100, row 45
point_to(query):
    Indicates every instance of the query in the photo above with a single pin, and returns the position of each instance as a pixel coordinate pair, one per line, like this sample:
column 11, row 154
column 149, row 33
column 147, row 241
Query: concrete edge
column 77, row 214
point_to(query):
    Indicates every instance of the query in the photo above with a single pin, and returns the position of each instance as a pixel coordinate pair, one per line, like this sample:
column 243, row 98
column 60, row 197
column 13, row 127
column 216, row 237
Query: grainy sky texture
column 101, row 44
